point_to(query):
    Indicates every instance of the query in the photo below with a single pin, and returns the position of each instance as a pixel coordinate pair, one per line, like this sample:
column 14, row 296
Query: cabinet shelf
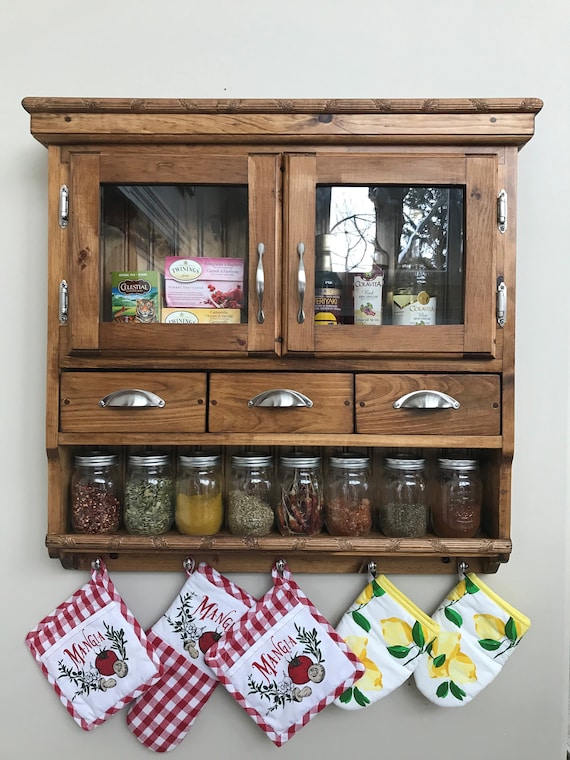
column 321, row 553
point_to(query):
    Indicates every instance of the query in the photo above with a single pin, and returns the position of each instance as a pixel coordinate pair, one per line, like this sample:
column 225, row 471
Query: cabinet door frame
column 88, row 170
column 478, row 173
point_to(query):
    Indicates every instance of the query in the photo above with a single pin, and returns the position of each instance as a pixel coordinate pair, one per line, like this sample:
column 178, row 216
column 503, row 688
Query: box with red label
column 202, row 283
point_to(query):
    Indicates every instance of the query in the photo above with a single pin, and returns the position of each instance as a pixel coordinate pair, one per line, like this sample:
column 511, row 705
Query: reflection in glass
column 374, row 227
column 142, row 225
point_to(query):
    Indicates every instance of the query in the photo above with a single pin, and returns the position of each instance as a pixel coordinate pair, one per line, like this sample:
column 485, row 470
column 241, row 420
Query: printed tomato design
column 207, row 640
column 105, row 661
column 298, row 668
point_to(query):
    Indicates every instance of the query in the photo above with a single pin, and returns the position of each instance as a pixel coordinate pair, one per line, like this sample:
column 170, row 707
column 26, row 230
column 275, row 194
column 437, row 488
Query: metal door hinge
column 63, row 206
column 502, row 211
column 501, row 302
column 63, row 303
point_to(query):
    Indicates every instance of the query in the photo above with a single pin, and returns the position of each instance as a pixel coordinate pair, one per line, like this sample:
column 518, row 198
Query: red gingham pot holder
column 93, row 652
column 206, row 608
column 283, row 662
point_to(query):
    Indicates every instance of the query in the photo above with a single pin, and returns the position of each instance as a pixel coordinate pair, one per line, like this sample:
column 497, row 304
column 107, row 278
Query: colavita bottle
column 368, row 291
column 414, row 301
column 328, row 285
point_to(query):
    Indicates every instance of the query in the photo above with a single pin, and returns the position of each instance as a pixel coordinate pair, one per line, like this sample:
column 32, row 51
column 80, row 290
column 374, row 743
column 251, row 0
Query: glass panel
column 204, row 226
column 397, row 251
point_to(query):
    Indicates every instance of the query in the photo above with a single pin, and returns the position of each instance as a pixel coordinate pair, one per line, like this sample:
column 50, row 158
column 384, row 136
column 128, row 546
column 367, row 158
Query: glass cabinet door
column 171, row 256
column 398, row 253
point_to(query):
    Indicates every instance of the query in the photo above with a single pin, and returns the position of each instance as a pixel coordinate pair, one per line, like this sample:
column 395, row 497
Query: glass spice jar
column 148, row 504
column 95, row 493
column 404, row 509
column 300, row 506
column 199, row 499
column 250, row 497
column 456, row 510
column 348, row 511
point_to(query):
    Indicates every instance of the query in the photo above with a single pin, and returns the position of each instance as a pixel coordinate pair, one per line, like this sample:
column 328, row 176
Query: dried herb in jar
column 149, row 495
column 249, row 515
column 300, row 508
column 95, row 486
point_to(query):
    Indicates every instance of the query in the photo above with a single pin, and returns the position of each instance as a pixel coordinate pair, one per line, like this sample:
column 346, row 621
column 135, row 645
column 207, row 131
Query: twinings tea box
column 203, row 283
column 182, row 316
column 136, row 296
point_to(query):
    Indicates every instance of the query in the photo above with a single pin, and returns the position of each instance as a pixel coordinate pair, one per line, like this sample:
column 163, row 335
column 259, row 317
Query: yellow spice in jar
column 198, row 515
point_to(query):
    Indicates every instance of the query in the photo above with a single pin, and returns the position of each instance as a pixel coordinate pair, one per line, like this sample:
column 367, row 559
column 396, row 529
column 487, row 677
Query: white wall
column 297, row 48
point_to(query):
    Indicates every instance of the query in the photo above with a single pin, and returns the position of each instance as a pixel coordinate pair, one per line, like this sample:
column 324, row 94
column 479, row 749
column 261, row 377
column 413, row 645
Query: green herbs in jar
column 149, row 499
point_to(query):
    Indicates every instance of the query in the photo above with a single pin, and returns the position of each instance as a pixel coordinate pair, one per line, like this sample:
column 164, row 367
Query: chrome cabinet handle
column 129, row 397
column 260, row 283
column 427, row 399
column 280, row 397
column 301, row 282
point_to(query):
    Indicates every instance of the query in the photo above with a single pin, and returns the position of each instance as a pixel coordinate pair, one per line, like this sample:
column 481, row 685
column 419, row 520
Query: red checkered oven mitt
column 283, row 662
column 93, row 652
column 207, row 606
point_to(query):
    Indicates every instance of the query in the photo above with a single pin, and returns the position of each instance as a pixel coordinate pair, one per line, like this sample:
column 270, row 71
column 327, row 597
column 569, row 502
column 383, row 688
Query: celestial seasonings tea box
column 136, row 296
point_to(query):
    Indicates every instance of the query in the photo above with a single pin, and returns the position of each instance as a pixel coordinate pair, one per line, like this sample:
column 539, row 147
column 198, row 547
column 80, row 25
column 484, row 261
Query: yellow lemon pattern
column 447, row 660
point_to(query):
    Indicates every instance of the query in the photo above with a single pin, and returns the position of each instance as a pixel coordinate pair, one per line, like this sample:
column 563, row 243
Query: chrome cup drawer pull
column 129, row 397
column 280, row 397
column 427, row 399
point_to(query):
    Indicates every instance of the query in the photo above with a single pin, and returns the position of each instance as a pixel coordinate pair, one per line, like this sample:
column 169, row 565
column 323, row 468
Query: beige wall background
column 297, row 48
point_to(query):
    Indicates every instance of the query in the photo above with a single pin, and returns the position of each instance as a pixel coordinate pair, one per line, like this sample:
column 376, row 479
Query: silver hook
column 372, row 569
column 97, row 565
column 189, row 565
column 280, row 567
column 462, row 568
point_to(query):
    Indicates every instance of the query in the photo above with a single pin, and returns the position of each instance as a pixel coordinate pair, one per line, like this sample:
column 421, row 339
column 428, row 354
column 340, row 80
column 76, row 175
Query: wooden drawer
column 183, row 393
column 331, row 396
column 478, row 413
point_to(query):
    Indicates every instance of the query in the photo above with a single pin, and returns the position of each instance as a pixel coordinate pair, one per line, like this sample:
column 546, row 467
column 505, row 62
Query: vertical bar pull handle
column 301, row 283
column 260, row 283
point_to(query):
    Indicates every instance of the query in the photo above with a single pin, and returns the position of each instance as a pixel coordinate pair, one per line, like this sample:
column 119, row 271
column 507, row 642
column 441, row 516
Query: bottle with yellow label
column 328, row 285
column 414, row 301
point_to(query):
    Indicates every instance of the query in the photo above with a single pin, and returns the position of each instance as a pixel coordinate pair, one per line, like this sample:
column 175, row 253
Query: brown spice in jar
column 94, row 510
column 347, row 518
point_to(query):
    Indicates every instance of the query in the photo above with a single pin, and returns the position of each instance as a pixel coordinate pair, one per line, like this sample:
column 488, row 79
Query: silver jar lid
column 404, row 464
column 252, row 459
column 300, row 459
column 350, row 462
column 458, row 464
column 148, row 460
column 199, row 460
column 96, row 459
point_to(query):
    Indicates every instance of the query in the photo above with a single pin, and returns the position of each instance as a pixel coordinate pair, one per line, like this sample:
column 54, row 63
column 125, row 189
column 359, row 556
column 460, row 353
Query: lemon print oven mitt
column 389, row 634
column 478, row 633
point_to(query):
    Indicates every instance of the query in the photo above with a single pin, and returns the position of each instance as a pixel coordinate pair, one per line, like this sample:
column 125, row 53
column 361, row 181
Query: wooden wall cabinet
column 134, row 181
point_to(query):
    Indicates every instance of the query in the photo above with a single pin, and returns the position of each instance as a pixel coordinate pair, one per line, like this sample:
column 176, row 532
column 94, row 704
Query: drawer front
column 478, row 413
column 130, row 403
column 231, row 412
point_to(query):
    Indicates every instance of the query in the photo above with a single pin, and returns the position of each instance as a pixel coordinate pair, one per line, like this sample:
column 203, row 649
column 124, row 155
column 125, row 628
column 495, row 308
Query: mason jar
column 199, row 494
column 250, row 496
column 404, row 508
column 148, row 507
column 456, row 510
column 348, row 509
column 300, row 505
column 96, row 493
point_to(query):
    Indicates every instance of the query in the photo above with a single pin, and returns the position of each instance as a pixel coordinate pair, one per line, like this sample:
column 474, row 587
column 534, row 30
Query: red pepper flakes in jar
column 348, row 509
column 95, row 493
column 300, row 507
